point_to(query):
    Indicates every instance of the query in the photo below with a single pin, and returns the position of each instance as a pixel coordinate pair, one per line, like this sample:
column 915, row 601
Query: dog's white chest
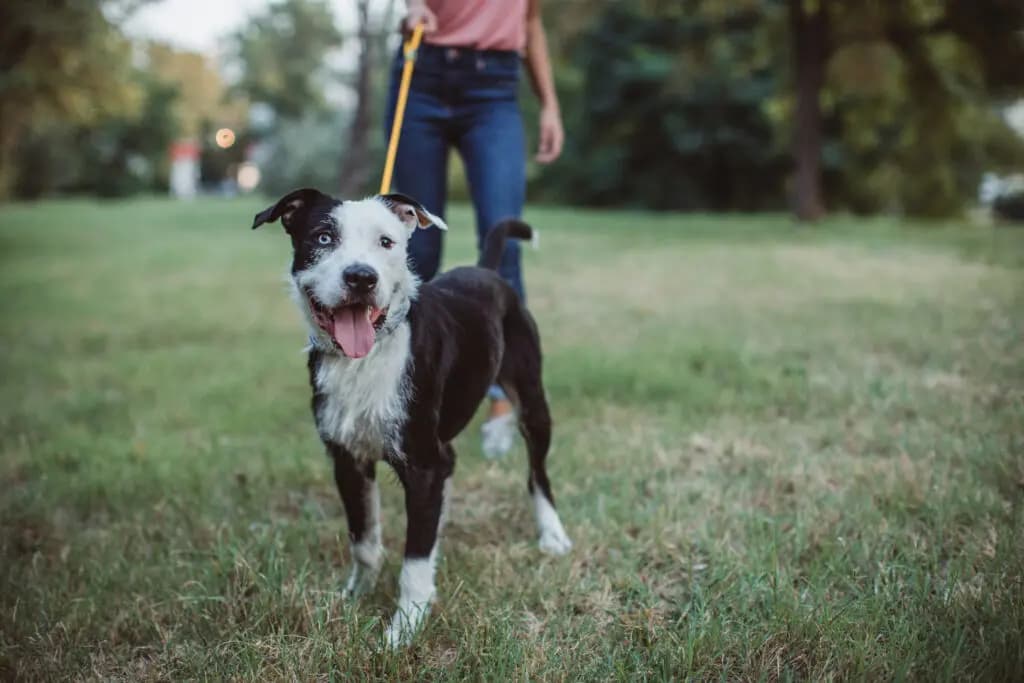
column 365, row 401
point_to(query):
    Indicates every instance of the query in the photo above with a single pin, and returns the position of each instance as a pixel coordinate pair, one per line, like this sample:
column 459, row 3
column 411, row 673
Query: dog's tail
column 494, row 242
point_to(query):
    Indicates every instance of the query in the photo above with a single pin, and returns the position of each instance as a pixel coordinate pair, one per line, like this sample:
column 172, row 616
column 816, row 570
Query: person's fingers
column 428, row 20
column 544, row 144
column 421, row 16
column 558, row 141
column 544, row 153
column 551, row 140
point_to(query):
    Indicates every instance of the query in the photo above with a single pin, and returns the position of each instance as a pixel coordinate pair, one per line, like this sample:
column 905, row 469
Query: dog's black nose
column 360, row 278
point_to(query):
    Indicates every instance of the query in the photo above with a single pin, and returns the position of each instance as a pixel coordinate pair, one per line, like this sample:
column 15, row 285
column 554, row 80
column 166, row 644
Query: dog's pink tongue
column 353, row 331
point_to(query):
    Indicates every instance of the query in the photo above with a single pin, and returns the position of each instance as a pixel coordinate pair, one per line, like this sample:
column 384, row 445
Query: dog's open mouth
column 353, row 327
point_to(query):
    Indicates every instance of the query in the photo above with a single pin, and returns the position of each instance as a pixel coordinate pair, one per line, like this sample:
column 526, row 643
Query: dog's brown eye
column 387, row 242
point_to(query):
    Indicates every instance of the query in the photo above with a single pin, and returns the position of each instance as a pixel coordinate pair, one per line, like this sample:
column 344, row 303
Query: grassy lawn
column 781, row 453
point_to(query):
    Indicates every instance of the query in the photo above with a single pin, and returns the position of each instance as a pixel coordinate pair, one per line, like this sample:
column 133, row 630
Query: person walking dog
column 464, row 96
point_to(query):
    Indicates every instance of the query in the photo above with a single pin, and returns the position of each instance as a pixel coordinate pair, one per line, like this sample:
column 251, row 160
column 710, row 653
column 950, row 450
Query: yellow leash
column 409, row 50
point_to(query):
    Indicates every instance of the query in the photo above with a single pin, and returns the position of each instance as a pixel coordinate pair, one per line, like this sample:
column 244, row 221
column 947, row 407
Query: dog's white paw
column 416, row 594
column 554, row 541
column 405, row 624
column 396, row 636
column 367, row 559
column 360, row 581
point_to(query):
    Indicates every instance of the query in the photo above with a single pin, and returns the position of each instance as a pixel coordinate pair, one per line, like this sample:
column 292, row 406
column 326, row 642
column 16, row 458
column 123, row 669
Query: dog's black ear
column 412, row 214
column 286, row 207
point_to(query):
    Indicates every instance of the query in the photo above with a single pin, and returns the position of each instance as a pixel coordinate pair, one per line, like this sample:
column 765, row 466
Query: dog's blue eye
column 324, row 238
column 387, row 242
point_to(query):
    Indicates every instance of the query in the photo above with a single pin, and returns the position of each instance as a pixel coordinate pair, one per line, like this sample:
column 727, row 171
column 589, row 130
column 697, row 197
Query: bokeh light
column 248, row 176
column 224, row 138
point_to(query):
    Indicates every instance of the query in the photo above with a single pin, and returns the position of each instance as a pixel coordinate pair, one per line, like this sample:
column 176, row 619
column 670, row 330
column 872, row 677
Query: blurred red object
column 184, row 149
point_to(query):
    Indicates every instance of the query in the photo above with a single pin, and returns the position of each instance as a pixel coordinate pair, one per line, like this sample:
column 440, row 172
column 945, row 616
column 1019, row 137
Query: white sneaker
column 497, row 435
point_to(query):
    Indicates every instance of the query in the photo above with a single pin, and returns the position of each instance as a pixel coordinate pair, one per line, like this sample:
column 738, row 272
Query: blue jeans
column 464, row 99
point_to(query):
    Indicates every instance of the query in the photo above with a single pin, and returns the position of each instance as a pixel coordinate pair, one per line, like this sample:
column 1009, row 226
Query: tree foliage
column 860, row 105
column 115, row 156
column 914, row 90
column 62, row 62
column 303, row 152
column 282, row 56
column 674, row 110
column 201, row 88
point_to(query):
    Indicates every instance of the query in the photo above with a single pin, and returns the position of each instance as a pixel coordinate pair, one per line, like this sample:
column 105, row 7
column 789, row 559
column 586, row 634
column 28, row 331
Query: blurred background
column 906, row 107
column 783, row 453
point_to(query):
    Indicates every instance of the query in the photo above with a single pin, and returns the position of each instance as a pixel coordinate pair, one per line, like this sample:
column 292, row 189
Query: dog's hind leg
column 521, row 375
column 535, row 424
column 426, row 502
column 357, row 485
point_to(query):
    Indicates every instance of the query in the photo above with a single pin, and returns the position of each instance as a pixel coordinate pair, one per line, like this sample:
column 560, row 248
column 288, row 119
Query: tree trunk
column 10, row 132
column 355, row 166
column 808, row 25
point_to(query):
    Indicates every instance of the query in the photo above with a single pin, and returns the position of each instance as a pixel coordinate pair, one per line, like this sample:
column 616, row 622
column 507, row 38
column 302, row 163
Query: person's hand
column 552, row 135
column 419, row 13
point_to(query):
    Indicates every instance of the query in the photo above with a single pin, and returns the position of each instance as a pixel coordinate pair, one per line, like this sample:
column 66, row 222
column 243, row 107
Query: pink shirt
column 480, row 24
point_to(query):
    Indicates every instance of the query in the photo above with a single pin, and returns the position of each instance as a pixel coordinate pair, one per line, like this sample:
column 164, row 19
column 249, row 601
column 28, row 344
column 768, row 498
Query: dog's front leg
column 357, row 485
column 426, row 490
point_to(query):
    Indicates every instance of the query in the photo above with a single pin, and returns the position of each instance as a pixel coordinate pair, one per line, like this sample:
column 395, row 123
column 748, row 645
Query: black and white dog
column 398, row 368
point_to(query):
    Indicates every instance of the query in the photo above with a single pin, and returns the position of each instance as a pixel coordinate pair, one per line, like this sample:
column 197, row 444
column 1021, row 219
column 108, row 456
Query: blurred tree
column 282, row 53
column 915, row 88
column 884, row 105
column 673, row 108
column 128, row 154
column 356, row 163
column 115, row 156
column 202, row 91
column 203, row 107
column 810, row 47
column 61, row 62
column 302, row 152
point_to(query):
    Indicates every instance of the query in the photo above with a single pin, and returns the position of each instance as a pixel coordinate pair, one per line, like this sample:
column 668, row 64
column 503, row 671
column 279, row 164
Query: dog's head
column 349, row 271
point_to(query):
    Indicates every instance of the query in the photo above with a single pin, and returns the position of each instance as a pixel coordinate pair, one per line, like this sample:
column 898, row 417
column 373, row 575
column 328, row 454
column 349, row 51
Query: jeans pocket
column 502, row 72
column 494, row 82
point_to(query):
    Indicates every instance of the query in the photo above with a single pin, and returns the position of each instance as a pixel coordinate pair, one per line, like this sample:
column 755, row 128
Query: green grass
column 782, row 453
